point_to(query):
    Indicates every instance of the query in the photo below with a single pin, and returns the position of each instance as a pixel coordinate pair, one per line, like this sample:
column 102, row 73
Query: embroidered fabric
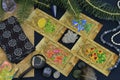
column 14, row 41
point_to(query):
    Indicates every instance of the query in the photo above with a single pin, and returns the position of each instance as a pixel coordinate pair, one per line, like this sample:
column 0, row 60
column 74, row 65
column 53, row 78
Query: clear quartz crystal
column 8, row 5
column 69, row 37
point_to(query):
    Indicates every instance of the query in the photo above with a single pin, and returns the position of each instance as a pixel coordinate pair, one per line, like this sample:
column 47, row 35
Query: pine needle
column 72, row 6
column 100, row 9
column 24, row 9
column 1, row 11
column 42, row 4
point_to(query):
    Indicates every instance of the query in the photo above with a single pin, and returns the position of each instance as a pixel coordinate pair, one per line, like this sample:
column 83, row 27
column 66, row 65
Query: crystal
column 8, row 5
column 69, row 37
column 54, row 10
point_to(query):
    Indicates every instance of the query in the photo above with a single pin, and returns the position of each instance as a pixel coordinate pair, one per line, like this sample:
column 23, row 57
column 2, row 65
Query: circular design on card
column 16, row 28
column 12, row 42
column 6, row 34
column 2, row 26
column 18, row 51
column 11, row 20
column 22, row 37
column 28, row 45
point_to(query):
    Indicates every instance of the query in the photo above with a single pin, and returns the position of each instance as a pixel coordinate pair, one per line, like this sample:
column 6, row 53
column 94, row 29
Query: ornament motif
column 6, row 34
column 16, row 28
column 12, row 42
column 2, row 26
column 11, row 20
column 22, row 37
column 18, row 51
column 28, row 45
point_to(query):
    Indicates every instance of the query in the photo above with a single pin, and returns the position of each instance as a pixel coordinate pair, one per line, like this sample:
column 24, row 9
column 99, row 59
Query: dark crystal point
column 54, row 10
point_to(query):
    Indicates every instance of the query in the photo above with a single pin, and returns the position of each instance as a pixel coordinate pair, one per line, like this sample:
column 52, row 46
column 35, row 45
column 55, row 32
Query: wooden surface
column 30, row 34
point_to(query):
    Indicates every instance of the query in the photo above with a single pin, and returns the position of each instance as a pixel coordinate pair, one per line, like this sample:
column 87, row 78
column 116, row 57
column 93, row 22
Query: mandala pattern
column 13, row 40
column 28, row 45
column 12, row 43
column 22, row 37
column 16, row 28
column 6, row 34
column 18, row 51
column 2, row 26
column 11, row 20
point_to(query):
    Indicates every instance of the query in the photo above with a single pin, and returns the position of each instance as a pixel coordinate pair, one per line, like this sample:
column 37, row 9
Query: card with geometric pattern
column 14, row 41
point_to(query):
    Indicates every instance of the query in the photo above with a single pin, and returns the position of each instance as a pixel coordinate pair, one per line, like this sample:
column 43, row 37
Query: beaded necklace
column 111, row 45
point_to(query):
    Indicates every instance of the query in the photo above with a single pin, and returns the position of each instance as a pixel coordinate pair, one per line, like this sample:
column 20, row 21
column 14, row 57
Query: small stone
column 76, row 74
column 56, row 74
column 81, row 65
column 47, row 72
column 38, row 62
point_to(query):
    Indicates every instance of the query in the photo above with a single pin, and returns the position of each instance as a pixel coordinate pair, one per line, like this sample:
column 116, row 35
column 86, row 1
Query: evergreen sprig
column 1, row 11
column 24, row 9
column 72, row 6
column 100, row 9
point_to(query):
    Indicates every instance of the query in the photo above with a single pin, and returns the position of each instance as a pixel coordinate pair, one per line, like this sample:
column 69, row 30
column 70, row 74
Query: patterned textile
column 13, row 40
